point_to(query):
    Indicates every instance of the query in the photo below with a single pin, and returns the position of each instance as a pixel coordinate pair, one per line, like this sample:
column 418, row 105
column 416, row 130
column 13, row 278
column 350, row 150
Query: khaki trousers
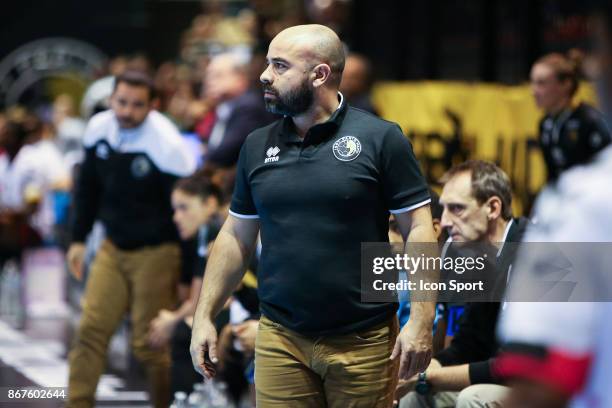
column 474, row 396
column 141, row 281
column 344, row 371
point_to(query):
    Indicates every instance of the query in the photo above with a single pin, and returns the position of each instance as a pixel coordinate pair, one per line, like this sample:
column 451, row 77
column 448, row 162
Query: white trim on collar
column 505, row 236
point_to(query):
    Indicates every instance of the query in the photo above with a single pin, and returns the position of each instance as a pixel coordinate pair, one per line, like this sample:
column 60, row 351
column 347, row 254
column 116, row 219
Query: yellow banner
column 449, row 122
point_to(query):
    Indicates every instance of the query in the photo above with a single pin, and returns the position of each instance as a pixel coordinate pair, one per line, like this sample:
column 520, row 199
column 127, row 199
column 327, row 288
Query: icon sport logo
column 272, row 154
column 346, row 148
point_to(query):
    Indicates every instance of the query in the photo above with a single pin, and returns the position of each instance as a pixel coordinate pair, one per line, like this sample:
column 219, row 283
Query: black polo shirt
column 317, row 200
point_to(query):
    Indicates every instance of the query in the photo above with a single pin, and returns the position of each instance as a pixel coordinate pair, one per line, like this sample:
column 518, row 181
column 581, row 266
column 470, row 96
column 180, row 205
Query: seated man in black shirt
column 477, row 208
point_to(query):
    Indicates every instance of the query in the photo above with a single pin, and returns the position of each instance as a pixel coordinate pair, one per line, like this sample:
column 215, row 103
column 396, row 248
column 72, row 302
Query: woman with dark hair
column 570, row 133
column 195, row 202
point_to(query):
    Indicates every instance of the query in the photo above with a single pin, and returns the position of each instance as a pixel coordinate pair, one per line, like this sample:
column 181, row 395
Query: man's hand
column 245, row 333
column 161, row 328
column 204, row 347
column 414, row 348
column 405, row 386
column 75, row 256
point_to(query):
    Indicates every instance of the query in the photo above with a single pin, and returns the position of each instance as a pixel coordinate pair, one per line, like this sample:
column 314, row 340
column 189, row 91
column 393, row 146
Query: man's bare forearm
column 422, row 241
column 451, row 378
column 224, row 270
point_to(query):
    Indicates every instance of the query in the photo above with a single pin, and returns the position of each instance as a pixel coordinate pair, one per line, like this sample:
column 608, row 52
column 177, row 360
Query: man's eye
column 455, row 209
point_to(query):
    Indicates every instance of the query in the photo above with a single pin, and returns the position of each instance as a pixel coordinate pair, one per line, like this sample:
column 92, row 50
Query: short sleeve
column 404, row 186
column 242, row 205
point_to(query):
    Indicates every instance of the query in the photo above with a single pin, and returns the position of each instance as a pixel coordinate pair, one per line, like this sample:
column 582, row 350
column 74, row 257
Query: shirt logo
column 346, row 148
column 140, row 167
column 272, row 154
column 102, row 151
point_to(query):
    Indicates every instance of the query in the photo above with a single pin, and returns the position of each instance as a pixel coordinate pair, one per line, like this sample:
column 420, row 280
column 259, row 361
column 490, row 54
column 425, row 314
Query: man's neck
column 496, row 235
column 320, row 112
column 563, row 104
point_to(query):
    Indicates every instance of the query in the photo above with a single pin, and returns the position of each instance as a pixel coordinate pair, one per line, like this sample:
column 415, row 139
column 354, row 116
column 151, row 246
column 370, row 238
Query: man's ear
column 437, row 226
column 322, row 72
column 494, row 206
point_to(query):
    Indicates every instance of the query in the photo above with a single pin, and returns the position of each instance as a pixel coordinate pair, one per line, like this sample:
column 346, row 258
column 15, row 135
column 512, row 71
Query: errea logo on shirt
column 272, row 154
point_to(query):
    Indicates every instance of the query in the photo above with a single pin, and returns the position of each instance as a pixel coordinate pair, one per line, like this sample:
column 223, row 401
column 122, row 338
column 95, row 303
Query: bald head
column 316, row 44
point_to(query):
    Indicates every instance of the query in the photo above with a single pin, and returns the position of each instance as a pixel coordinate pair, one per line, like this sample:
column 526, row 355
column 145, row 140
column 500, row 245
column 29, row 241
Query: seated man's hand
column 245, row 333
column 403, row 388
column 161, row 328
column 406, row 386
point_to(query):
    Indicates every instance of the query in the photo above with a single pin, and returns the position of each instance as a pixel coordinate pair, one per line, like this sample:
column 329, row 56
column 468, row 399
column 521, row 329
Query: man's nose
column 445, row 221
column 125, row 111
column 265, row 76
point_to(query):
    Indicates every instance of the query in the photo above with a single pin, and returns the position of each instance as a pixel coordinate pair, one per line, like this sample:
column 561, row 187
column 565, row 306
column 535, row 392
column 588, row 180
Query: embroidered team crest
column 102, row 151
column 140, row 166
column 346, row 148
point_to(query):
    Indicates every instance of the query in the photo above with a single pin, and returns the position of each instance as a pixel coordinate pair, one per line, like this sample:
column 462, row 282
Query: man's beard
column 293, row 103
column 129, row 123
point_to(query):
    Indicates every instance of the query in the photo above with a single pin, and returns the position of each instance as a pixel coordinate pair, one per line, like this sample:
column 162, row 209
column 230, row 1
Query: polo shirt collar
column 320, row 131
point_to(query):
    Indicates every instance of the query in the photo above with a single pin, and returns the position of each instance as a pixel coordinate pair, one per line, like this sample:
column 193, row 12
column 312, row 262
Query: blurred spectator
column 214, row 31
column 570, row 134
column 239, row 110
column 139, row 62
column 476, row 198
column 69, row 130
column 356, row 83
column 133, row 156
column 276, row 15
column 29, row 170
column 118, row 65
column 165, row 83
column 183, row 104
column 97, row 96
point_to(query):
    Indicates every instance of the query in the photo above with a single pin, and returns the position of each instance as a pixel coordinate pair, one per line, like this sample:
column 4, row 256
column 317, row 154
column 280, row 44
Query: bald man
column 316, row 184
